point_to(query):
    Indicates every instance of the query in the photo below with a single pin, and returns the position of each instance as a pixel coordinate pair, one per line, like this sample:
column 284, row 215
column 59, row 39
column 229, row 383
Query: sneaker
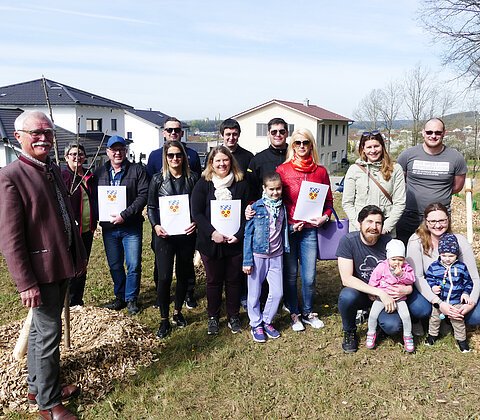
column 258, row 334
column 116, row 304
column 285, row 309
column 234, row 324
column 371, row 338
column 179, row 320
column 271, row 331
column 350, row 341
column 132, row 307
column 408, row 343
column 463, row 345
column 191, row 302
column 430, row 340
column 296, row 323
column 361, row 317
column 243, row 304
column 213, row 326
column 164, row 329
column 312, row 320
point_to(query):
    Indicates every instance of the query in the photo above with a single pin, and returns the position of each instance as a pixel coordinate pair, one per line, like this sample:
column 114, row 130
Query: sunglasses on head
column 301, row 142
column 173, row 130
column 370, row 133
column 430, row 132
column 174, row 155
column 281, row 131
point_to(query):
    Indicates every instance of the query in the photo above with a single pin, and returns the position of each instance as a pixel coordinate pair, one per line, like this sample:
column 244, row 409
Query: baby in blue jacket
column 266, row 237
column 449, row 278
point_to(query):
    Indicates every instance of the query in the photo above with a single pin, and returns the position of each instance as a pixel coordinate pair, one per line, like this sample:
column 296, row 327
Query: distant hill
column 456, row 120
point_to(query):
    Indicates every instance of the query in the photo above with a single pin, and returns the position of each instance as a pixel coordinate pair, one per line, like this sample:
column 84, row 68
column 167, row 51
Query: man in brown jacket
column 43, row 251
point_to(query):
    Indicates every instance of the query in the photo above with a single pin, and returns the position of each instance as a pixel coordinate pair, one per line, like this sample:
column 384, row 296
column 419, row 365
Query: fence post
column 468, row 204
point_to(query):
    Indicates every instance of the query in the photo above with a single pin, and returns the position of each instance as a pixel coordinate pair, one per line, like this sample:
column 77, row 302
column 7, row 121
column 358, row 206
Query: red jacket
column 292, row 180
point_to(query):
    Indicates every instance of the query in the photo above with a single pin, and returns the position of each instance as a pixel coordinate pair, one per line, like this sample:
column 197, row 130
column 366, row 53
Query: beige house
column 329, row 129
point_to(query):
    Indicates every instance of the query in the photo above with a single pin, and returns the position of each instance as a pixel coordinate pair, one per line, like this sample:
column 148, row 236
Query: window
column 323, row 136
column 334, row 157
column 113, row 125
column 291, row 129
column 330, row 135
column 322, row 159
column 343, row 129
column 129, row 135
column 262, row 130
column 94, row 124
column 336, row 129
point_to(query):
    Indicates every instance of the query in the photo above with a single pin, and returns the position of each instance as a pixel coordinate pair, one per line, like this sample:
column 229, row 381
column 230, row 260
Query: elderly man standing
column 43, row 250
column 122, row 235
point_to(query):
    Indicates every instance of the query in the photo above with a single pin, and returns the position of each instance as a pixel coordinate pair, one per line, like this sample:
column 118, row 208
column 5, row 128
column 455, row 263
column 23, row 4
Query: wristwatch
column 437, row 305
column 328, row 218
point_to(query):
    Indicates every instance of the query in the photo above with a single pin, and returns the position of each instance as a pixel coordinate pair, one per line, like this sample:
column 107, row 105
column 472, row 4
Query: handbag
column 383, row 190
column 329, row 235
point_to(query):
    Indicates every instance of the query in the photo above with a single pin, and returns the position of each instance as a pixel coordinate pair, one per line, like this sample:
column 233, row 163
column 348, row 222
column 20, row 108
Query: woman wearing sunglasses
column 374, row 179
column 79, row 182
column 302, row 164
column 175, row 178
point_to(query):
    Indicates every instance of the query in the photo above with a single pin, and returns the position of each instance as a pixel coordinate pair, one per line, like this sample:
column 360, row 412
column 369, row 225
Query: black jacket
column 136, row 180
column 161, row 187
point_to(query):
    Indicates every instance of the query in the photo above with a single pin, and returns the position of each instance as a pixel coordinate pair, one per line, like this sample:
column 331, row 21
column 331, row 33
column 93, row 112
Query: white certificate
column 174, row 213
column 310, row 201
column 225, row 216
column 112, row 200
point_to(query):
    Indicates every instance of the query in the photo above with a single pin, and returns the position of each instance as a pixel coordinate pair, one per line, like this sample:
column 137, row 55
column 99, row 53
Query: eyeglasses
column 434, row 222
column 281, row 132
column 173, row 130
column 80, row 155
column 299, row 143
column 430, row 132
column 370, row 133
column 174, row 155
column 48, row 132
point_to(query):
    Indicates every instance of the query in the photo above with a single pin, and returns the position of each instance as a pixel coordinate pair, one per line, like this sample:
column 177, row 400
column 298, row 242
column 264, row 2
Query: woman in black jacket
column 221, row 254
column 174, row 179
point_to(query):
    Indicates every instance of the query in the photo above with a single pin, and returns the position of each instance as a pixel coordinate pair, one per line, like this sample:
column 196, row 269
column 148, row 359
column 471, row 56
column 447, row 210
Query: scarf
column 272, row 205
column 221, row 186
column 303, row 165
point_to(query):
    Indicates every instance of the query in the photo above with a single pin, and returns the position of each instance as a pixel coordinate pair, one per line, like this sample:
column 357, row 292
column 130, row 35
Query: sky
column 213, row 59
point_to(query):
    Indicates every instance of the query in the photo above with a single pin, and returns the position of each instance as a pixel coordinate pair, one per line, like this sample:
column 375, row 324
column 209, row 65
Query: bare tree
column 369, row 109
column 418, row 90
column 457, row 24
column 390, row 103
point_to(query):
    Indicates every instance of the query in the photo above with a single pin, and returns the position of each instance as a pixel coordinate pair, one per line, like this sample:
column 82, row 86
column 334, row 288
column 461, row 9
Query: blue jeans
column 421, row 308
column 124, row 243
column 303, row 248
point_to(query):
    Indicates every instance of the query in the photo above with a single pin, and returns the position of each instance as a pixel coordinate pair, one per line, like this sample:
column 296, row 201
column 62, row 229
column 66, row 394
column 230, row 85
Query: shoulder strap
column 383, row 190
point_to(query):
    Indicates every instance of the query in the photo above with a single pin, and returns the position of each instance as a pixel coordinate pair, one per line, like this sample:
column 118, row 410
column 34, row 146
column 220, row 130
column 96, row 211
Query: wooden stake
column 468, row 199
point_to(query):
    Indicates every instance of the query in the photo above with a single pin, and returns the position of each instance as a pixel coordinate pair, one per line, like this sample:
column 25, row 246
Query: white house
column 329, row 129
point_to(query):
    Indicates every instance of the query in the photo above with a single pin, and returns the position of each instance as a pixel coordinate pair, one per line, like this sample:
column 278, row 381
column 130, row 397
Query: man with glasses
column 269, row 159
column 122, row 235
column 433, row 172
column 230, row 132
column 43, row 251
column 172, row 130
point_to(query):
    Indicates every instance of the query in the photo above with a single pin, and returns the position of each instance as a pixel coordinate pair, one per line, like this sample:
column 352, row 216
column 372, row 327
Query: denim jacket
column 257, row 232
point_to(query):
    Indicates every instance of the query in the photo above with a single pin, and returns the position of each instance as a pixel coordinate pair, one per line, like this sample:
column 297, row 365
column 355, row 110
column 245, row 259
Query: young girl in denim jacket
column 266, row 237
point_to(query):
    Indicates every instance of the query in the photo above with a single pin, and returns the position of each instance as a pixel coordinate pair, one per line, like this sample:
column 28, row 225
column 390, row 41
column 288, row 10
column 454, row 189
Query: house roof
column 32, row 93
column 155, row 117
column 310, row 110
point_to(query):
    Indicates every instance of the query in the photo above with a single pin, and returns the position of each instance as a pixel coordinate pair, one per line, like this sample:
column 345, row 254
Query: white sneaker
column 312, row 319
column 296, row 323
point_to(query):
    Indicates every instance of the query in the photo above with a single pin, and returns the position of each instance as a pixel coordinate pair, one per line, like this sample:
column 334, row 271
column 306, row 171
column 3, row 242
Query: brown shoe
column 68, row 391
column 59, row 412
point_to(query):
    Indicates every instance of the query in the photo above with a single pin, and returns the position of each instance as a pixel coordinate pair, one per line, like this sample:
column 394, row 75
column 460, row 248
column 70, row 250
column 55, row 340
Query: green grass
column 299, row 376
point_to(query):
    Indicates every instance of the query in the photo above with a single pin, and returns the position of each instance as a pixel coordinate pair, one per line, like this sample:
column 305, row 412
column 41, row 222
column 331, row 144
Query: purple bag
column 329, row 235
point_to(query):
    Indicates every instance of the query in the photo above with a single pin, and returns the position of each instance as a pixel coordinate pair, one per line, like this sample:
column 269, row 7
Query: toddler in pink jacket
column 394, row 270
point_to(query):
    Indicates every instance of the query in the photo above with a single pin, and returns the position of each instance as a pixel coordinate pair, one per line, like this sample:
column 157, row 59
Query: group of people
column 49, row 217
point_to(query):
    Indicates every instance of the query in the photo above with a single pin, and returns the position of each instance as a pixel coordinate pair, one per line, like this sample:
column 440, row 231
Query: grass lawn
column 299, row 376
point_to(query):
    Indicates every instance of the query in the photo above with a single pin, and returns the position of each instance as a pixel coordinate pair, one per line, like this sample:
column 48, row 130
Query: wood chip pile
column 105, row 346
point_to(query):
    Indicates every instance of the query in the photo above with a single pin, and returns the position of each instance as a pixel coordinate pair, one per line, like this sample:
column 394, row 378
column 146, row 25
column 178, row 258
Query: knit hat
column 395, row 248
column 448, row 243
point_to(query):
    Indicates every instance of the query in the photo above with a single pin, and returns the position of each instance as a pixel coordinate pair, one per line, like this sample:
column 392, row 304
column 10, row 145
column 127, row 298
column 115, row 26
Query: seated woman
column 422, row 250
column 176, row 178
